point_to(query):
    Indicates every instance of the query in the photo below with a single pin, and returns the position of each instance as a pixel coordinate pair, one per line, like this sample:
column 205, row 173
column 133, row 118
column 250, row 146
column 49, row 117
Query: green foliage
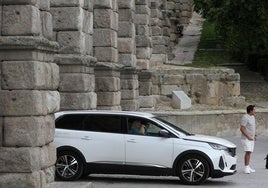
column 209, row 38
column 242, row 24
column 208, row 8
column 210, row 52
column 208, row 59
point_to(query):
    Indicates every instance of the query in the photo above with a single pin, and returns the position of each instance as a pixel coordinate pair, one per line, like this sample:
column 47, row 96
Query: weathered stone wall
column 99, row 38
column 28, row 94
column 225, row 123
column 160, row 32
column 203, row 86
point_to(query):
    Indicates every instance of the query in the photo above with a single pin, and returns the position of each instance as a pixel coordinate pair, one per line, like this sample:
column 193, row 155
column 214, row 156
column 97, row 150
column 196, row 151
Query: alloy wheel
column 67, row 166
column 193, row 170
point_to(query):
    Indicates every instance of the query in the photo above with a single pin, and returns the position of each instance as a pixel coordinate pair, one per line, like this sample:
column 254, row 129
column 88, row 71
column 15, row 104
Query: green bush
column 242, row 25
column 211, row 52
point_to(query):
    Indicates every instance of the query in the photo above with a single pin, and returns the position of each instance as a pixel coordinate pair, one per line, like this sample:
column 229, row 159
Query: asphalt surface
column 259, row 179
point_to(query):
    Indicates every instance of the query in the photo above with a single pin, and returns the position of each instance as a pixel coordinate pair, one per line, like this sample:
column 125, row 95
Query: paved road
column 259, row 179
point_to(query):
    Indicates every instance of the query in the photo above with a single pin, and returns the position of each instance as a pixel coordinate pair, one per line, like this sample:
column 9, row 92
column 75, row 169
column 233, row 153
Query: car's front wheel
column 69, row 165
column 193, row 169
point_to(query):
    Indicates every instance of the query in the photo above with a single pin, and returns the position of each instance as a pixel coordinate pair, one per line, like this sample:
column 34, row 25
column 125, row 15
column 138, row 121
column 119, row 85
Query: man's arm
column 245, row 133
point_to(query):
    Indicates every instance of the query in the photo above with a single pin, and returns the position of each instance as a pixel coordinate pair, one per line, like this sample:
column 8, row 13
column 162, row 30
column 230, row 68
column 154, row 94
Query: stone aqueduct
column 87, row 54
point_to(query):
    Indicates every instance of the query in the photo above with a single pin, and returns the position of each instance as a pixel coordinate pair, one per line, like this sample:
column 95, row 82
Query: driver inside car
column 137, row 128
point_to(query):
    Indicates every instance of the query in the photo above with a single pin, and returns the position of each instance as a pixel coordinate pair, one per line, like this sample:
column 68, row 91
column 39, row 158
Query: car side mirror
column 164, row 133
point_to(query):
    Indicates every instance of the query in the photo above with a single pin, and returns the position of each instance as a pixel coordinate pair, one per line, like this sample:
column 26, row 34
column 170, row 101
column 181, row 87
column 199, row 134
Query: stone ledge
column 75, row 59
column 70, row 185
column 207, row 112
column 27, row 42
column 21, row 2
column 109, row 66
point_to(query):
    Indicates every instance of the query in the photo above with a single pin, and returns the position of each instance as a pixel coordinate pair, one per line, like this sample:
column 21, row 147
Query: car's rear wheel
column 69, row 165
column 193, row 169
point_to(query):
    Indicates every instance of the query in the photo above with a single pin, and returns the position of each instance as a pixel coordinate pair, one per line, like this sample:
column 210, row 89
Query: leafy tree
column 242, row 24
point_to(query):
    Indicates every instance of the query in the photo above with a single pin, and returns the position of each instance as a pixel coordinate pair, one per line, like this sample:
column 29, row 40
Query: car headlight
column 218, row 146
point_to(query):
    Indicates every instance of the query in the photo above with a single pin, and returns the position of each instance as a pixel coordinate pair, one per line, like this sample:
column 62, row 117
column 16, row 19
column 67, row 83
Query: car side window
column 103, row 123
column 145, row 127
column 70, row 122
column 152, row 129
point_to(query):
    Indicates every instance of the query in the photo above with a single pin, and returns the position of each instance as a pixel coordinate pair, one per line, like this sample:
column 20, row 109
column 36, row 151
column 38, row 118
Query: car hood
column 210, row 139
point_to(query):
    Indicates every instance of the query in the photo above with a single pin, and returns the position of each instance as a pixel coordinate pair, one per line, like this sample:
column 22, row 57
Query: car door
column 69, row 131
column 103, row 139
column 150, row 149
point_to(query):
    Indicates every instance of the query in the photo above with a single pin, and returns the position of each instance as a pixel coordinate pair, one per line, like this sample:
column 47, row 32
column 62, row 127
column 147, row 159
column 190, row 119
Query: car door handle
column 86, row 138
column 131, row 141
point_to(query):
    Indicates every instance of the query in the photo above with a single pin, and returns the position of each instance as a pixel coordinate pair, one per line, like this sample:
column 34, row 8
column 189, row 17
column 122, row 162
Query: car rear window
column 90, row 122
column 103, row 123
column 72, row 122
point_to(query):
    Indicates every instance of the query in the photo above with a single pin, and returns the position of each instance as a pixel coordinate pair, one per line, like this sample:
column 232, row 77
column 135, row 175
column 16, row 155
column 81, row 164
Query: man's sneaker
column 251, row 170
column 247, row 170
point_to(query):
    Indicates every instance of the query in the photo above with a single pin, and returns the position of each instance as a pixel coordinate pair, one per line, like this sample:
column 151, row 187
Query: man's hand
column 245, row 133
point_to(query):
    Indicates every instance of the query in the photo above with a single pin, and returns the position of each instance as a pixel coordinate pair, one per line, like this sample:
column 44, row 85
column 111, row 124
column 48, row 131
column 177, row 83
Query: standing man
column 248, row 136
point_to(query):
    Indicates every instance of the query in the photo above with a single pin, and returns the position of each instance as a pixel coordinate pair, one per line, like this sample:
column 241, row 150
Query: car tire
column 193, row 169
column 69, row 166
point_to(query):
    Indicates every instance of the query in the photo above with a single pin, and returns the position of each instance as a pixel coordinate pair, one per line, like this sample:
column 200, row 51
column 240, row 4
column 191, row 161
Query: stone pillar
column 147, row 101
column 105, row 31
column 29, row 97
column 129, row 89
column 108, row 87
column 105, row 42
column 126, row 33
column 143, row 34
column 77, row 82
column 159, row 40
column 127, row 55
column 73, row 30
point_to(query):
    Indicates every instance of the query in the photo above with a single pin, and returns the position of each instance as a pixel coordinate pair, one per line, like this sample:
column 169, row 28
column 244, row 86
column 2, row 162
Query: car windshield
column 173, row 126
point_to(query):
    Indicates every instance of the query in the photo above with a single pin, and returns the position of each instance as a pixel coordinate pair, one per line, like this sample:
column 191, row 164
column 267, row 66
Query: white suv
column 123, row 142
